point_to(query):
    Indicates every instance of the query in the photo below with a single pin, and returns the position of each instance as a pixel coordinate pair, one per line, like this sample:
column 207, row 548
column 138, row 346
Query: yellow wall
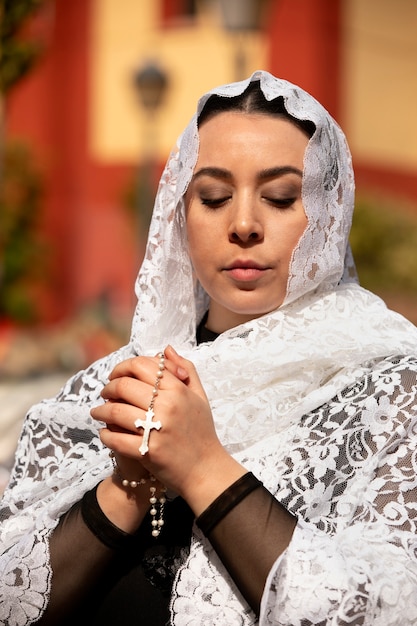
column 379, row 111
column 196, row 57
column 380, row 82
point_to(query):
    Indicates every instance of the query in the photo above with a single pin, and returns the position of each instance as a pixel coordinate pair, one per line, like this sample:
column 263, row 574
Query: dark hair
column 252, row 100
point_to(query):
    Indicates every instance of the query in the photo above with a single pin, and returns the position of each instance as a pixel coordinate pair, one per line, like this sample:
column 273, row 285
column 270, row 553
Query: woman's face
column 244, row 213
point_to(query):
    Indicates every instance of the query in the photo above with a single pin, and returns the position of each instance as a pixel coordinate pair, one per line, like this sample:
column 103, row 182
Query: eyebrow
column 272, row 172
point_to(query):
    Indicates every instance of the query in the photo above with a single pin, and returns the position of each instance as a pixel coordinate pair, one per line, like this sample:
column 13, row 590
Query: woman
column 262, row 446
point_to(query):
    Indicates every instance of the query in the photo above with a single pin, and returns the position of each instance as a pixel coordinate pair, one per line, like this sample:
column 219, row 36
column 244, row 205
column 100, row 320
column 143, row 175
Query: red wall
column 305, row 40
column 92, row 248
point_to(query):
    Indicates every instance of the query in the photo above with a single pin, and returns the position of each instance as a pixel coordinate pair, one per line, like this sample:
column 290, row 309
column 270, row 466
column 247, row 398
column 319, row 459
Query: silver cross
column 147, row 426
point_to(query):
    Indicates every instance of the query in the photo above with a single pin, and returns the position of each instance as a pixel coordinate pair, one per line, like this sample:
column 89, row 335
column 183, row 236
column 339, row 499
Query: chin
column 253, row 313
column 257, row 310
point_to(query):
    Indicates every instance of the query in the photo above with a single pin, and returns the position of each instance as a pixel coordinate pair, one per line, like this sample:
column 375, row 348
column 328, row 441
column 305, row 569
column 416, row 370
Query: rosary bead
column 155, row 502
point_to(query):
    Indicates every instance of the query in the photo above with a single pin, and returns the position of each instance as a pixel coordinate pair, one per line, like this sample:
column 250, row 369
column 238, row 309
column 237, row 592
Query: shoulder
column 382, row 398
column 395, row 372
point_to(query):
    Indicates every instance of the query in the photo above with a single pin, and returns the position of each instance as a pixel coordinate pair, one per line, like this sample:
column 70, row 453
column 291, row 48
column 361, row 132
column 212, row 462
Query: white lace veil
column 168, row 308
column 260, row 377
column 327, row 325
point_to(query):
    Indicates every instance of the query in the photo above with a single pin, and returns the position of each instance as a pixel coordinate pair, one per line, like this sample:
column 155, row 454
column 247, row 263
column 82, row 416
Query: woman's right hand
column 185, row 454
column 125, row 506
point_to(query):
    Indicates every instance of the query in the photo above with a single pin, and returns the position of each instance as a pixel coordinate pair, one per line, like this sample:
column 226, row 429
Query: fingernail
column 182, row 373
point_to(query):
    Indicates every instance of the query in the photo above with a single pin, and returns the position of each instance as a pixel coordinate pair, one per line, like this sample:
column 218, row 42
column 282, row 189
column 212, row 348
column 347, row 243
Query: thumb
column 182, row 365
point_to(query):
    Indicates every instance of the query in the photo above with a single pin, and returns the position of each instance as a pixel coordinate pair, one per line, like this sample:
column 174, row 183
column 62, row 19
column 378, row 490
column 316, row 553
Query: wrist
column 98, row 523
column 124, row 507
column 226, row 501
column 210, row 480
column 157, row 494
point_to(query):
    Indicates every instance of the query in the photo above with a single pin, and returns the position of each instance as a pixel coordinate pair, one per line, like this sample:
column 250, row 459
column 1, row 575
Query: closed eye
column 215, row 203
column 281, row 203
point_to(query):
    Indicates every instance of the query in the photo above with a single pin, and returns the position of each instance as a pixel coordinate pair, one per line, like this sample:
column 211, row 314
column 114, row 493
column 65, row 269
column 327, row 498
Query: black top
column 203, row 334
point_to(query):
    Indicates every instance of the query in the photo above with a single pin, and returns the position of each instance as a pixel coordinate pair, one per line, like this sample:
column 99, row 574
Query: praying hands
column 180, row 448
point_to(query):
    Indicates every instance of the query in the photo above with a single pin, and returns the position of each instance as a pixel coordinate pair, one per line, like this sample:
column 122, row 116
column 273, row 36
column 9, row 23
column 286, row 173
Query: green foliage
column 18, row 55
column 20, row 188
column 20, row 250
column 384, row 245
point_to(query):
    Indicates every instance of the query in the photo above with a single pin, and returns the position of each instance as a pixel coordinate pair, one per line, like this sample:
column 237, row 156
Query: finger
column 135, row 367
column 181, row 364
column 185, row 370
column 118, row 416
column 122, row 443
column 127, row 389
column 130, row 390
column 134, row 379
column 143, row 368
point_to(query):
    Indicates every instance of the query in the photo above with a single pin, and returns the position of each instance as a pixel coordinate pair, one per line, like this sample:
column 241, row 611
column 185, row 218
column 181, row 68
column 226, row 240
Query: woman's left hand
column 185, row 454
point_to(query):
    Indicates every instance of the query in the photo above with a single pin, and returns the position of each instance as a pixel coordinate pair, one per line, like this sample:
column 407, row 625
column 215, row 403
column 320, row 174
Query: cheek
column 296, row 232
column 287, row 235
column 198, row 236
column 192, row 237
column 203, row 234
column 200, row 254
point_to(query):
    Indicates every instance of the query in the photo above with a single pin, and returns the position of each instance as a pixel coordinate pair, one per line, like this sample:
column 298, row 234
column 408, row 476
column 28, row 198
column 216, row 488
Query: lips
column 246, row 271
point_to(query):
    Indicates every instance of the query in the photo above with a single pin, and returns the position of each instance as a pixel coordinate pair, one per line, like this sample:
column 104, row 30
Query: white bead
column 154, row 522
column 133, row 484
column 153, row 500
column 125, row 483
column 155, row 533
column 153, row 511
column 160, row 522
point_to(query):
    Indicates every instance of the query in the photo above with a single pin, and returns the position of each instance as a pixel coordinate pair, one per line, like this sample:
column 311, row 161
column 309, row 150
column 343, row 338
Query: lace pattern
column 347, row 470
column 270, row 383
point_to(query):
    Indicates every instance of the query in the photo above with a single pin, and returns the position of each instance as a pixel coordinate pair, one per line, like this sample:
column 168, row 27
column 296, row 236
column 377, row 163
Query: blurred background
column 94, row 93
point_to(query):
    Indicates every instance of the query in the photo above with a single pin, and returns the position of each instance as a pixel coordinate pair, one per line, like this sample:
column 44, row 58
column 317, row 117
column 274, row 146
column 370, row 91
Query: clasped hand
column 186, row 447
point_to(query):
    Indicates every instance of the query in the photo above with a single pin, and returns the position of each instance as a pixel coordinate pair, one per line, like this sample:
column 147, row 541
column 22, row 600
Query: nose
column 245, row 224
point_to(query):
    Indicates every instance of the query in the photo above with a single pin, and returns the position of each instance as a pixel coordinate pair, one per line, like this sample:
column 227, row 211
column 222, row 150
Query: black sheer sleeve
column 247, row 527
column 105, row 576
column 80, row 552
column 249, row 530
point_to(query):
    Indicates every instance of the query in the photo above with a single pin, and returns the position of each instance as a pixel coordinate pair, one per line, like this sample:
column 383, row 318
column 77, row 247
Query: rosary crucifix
column 147, row 426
